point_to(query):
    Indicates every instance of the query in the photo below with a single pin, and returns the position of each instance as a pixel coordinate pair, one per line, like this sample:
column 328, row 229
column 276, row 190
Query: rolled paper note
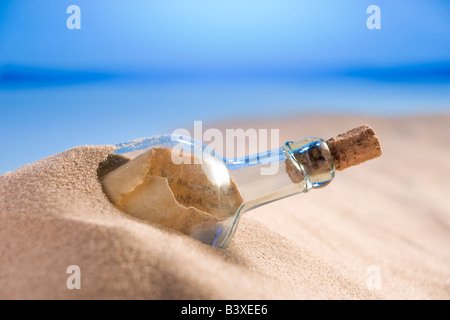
column 178, row 196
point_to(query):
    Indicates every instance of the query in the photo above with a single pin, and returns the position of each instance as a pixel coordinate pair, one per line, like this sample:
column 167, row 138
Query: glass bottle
column 182, row 184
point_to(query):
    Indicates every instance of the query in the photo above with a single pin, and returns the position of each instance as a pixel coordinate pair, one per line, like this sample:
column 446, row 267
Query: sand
column 381, row 230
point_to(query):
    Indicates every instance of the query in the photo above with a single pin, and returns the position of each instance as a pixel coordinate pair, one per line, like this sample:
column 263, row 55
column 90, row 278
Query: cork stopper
column 354, row 147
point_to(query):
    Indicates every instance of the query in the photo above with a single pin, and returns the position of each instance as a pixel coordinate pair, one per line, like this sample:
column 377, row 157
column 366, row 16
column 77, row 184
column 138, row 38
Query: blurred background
column 143, row 67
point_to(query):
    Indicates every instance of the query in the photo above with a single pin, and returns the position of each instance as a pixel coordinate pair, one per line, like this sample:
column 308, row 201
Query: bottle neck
column 294, row 168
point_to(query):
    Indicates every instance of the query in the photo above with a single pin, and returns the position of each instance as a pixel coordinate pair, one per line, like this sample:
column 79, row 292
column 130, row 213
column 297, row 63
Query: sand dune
column 379, row 231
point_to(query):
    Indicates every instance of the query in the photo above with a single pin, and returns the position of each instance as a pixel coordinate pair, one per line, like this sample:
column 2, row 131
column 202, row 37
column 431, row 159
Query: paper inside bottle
column 186, row 197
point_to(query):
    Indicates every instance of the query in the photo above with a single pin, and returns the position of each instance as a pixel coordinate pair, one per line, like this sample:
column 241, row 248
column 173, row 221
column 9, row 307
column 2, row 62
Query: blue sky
column 138, row 68
column 206, row 35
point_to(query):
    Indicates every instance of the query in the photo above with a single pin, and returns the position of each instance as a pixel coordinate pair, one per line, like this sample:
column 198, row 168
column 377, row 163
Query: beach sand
column 381, row 230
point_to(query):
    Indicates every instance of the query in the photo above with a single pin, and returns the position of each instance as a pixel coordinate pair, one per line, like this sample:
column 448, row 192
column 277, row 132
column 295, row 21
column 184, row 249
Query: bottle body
column 181, row 184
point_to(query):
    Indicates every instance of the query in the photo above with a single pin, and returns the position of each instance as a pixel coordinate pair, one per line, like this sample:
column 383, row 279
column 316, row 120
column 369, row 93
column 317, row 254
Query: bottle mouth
column 308, row 162
column 313, row 162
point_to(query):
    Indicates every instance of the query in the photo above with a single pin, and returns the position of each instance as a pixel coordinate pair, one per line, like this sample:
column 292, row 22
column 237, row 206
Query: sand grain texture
column 391, row 213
